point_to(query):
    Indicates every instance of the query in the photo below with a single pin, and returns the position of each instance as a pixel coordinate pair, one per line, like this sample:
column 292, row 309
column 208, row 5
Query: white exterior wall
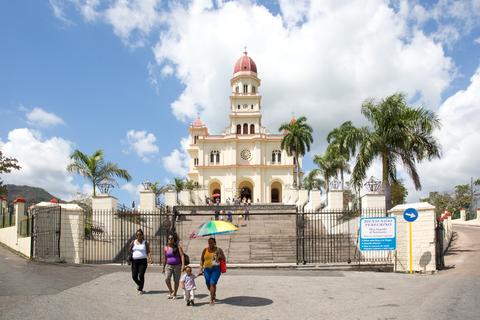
column 335, row 200
column 147, row 200
column 423, row 238
column 373, row 201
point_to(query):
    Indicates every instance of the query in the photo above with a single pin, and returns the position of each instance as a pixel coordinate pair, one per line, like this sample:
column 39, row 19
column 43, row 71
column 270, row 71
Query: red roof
column 20, row 199
column 245, row 63
column 53, row 200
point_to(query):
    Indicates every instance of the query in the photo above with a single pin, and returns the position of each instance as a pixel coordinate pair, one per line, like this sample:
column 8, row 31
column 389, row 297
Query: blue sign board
column 410, row 214
column 378, row 233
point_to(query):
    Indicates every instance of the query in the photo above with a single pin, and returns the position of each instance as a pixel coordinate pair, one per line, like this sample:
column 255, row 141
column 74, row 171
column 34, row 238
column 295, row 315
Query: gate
column 108, row 233
column 333, row 237
column 45, row 232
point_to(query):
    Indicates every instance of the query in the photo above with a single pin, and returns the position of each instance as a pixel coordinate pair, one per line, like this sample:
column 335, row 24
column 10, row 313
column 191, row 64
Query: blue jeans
column 211, row 275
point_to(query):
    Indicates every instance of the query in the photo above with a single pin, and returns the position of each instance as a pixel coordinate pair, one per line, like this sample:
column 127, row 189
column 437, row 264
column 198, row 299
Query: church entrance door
column 245, row 191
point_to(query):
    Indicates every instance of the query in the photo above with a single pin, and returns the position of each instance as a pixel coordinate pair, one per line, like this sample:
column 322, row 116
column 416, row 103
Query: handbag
column 223, row 266
column 130, row 254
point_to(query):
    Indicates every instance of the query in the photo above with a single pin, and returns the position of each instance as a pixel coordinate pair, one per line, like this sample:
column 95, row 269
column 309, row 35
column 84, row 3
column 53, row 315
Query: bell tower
column 245, row 101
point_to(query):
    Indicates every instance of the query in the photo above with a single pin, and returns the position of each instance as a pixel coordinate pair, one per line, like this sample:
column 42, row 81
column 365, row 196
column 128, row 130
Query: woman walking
column 173, row 265
column 210, row 267
column 140, row 251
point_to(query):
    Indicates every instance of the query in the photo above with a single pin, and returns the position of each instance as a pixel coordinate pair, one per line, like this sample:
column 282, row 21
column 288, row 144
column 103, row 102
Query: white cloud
column 133, row 20
column 42, row 118
column 477, row 40
column 324, row 68
column 177, row 162
column 167, row 70
column 132, row 189
column 460, row 140
column 143, row 143
column 59, row 11
column 43, row 162
column 88, row 9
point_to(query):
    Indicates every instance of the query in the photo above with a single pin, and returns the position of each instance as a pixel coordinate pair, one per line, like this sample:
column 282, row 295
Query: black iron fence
column 265, row 235
column 108, row 233
column 333, row 237
column 7, row 216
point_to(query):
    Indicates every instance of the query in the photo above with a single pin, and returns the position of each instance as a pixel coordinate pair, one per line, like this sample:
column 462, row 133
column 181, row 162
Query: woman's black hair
column 175, row 242
column 141, row 231
column 213, row 239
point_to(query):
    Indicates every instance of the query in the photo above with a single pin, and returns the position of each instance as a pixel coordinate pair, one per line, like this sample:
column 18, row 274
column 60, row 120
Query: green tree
column 343, row 142
column 179, row 185
column 6, row 166
column 328, row 167
column 399, row 193
column 398, row 134
column 312, row 181
column 296, row 141
column 95, row 169
column 462, row 196
column 441, row 201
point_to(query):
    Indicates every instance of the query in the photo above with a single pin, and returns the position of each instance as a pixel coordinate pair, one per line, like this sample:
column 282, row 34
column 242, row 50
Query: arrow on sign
column 409, row 214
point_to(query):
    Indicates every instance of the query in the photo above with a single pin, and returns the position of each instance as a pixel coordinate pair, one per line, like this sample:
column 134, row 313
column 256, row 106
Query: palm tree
column 343, row 141
column 179, row 185
column 296, row 141
column 399, row 134
column 312, row 181
column 95, row 169
column 327, row 166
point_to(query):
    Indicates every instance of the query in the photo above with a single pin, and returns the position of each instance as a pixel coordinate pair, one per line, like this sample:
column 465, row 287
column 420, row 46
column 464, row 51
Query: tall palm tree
column 296, row 141
column 398, row 134
column 344, row 140
column 312, row 181
column 95, row 169
column 327, row 165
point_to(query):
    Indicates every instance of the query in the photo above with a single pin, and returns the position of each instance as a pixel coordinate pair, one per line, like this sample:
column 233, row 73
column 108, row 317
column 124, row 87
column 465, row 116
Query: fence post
column 19, row 212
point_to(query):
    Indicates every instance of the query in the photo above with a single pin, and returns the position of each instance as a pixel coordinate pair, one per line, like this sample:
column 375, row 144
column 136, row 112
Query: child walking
column 187, row 282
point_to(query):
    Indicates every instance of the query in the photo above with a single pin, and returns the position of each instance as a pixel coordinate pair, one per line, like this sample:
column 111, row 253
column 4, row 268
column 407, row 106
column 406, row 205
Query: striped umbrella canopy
column 213, row 227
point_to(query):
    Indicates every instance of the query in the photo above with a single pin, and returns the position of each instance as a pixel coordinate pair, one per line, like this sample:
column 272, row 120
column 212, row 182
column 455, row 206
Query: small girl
column 187, row 282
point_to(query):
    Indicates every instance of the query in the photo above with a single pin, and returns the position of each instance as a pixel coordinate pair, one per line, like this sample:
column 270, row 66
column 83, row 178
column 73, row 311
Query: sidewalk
column 473, row 222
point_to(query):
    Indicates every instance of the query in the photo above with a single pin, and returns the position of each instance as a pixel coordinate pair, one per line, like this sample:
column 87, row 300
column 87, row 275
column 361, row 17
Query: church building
column 245, row 160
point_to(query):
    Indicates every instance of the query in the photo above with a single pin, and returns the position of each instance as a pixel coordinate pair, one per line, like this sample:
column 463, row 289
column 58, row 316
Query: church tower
column 245, row 116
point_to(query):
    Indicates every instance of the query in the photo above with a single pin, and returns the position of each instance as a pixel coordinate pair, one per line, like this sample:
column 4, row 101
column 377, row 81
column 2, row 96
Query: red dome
column 198, row 123
column 245, row 63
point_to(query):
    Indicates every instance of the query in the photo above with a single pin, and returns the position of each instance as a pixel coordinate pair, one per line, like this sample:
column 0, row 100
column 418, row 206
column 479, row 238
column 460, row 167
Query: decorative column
column 147, row 197
column 335, row 196
column 423, row 238
column 103, row 207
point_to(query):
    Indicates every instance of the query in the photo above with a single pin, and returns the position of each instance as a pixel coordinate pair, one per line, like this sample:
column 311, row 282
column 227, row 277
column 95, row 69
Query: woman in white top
column 140, row 250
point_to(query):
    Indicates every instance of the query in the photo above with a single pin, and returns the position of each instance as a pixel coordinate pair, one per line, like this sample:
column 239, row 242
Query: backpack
column 186, row 259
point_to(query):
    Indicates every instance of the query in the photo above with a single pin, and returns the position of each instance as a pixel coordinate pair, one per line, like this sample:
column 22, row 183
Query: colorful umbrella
column 213, row 227
column 216, row 195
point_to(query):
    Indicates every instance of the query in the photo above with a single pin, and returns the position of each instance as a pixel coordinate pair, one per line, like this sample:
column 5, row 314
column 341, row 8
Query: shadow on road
column 245, row 301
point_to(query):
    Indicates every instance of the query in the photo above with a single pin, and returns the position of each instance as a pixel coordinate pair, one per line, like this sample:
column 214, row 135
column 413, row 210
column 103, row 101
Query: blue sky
column 100, row 69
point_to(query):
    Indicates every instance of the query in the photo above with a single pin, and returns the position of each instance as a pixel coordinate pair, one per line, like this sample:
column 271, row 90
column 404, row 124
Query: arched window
column 237, row 89
column 245, row 88
column 245, row 128
column 251, row 107
column 215, row 156
column 195, row 161
column 252, row 129
column 253, row 89
column 276, row 156
column 238, row 107
column 239, row 129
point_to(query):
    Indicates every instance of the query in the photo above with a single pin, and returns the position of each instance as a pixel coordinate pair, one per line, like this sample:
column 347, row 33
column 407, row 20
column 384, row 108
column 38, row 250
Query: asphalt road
column 31, row 290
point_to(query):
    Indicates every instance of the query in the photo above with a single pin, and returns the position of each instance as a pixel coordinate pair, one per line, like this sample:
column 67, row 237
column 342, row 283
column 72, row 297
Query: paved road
column 39, row 291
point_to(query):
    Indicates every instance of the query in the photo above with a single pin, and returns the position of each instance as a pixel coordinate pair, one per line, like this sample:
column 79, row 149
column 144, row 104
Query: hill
column 31, row 194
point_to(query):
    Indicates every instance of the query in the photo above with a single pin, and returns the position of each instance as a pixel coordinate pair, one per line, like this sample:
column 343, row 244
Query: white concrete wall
column 8, row 236
column 314, row 200
column 335, row 200
column 170, row 198
column 184, row 197
column 373, row 201
column 423, row 238
column 302, row 198
column 147, row 200
column 71, row 235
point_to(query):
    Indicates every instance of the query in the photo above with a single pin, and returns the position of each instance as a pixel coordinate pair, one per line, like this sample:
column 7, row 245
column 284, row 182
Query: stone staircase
column 264, row 238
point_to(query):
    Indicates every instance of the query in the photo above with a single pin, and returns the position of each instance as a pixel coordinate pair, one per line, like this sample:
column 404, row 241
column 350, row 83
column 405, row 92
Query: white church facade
column 245, row 160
